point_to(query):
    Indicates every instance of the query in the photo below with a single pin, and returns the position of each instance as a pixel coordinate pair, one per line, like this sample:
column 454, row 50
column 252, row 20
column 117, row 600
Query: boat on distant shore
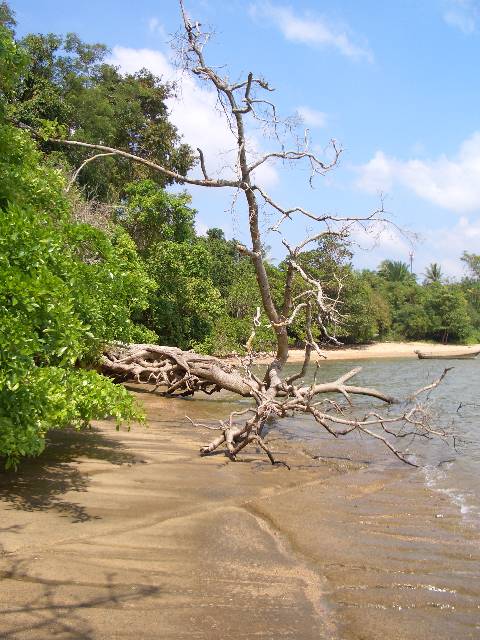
column 454, row 354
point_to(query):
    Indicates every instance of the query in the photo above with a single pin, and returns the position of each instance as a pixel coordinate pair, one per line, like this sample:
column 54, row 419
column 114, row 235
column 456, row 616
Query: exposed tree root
column 171, row 370
column 174, row 372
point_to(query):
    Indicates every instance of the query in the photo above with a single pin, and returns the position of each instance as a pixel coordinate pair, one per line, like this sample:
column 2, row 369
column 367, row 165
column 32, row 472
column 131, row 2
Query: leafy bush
column 43, row 337
column 65, row 290
column 186, row 305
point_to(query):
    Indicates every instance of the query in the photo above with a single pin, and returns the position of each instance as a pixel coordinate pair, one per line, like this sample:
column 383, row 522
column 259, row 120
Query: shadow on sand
column 61, row 608
column 40, row 482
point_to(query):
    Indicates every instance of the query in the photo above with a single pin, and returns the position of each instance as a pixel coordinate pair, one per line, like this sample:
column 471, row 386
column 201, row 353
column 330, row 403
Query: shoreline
column 112, row 530
column 373, row 350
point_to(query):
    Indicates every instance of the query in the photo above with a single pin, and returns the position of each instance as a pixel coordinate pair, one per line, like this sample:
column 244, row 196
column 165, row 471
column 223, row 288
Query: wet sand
column 133, row 535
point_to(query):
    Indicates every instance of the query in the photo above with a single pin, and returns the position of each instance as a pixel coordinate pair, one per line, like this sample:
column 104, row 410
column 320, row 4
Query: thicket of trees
column 115, row 256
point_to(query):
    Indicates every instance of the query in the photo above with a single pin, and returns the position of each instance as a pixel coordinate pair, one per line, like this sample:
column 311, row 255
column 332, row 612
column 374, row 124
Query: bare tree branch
column 202, row 164
column 84, row 164
column 319, row 166
column 174, row 372
column 167, row 172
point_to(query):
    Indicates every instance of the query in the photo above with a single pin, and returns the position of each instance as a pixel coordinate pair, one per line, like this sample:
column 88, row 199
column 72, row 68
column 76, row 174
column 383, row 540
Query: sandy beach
column 131, row 534
column 378, row 350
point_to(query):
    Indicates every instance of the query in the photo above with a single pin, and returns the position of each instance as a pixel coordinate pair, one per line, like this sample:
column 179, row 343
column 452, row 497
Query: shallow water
column 450, row 467
column 452, row 470
column 399, row 546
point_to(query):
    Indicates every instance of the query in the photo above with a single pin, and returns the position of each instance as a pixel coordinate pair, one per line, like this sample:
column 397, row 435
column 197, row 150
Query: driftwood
column 173, row 372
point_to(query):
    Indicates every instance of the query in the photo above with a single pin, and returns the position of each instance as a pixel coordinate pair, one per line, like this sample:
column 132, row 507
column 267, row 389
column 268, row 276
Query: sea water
column 450, row 466
column 397, row 544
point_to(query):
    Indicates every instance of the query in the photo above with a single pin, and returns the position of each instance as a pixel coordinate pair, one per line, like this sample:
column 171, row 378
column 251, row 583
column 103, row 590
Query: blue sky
column 396, row 83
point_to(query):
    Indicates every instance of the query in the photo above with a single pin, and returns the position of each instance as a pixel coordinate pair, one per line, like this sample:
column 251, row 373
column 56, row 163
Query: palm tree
column 394, row 271
column 433, row 273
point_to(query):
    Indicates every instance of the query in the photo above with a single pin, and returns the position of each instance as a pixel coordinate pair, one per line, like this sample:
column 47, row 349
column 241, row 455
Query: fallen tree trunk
column 173, row 372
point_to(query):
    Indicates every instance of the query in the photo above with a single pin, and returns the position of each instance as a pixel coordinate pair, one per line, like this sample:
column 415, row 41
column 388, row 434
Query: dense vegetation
column 66, row 288
column 117, row 257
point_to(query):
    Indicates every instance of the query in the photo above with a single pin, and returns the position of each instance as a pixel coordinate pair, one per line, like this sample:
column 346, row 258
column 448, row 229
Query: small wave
column 438, row 479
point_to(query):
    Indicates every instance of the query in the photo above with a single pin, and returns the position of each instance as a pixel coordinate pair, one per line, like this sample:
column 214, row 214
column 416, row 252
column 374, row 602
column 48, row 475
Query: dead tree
column 176, row 372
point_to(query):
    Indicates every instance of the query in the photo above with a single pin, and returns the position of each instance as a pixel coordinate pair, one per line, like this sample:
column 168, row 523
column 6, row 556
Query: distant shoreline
column 374, row 350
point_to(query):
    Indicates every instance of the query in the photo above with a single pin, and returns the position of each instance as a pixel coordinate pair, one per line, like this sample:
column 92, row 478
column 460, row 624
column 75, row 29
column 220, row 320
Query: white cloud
column 380, row 240
column 157, row 28
column 312, row 117
column 462, row 14
column 195, row 113
column 201, row 228
column 451, row 183
column 446, row 245
column 309, row 29
column 376, row 174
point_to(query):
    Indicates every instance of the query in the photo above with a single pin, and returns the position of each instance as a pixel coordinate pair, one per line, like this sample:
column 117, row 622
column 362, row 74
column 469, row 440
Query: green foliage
column 151, row 215
column 234, row 278
column 472, row 263
column 67, row 82
column 46, row 397
column 42, row 335
column 389, row 303
column 186, row 304
column 433, row 273
column 226, row 336
column 242, row 301
column 365, row 315
column 12, row 57
column 433, row 311
column 110, row 283
column 470, row 286
column 447, row 308
column 65, row 290
column 395, row 271
column 224, row 259
column 7, row 17
column 411, row 322
column 407, row 303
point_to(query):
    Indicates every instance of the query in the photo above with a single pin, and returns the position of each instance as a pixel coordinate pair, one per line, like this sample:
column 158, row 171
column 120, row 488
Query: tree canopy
column 67, row 86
